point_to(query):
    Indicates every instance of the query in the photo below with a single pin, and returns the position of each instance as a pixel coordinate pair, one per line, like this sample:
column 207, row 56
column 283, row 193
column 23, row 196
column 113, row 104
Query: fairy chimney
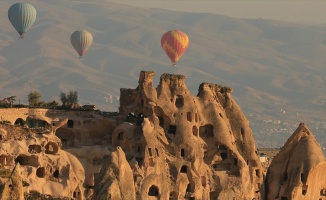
column 180, row 145
column 13, row 188
column 298, row 170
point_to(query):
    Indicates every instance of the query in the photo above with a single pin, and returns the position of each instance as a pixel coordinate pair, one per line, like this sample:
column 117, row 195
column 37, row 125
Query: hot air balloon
column 81, row 41
column 22, row 16
column 174, row 43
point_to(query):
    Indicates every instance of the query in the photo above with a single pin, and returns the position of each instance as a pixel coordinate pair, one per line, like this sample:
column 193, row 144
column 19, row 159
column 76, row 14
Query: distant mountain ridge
column 272, row 65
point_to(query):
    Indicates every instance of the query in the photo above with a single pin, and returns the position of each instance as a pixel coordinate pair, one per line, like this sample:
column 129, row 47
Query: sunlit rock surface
column 164, row 143
column 298, row 171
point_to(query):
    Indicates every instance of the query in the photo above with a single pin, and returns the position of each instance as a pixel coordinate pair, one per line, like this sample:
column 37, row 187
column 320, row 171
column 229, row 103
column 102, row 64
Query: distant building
column 89, row 107
column 263, row 157
column 266, row 155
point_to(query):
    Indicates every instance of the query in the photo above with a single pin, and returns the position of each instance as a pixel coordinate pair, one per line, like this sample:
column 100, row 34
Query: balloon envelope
column 22, row 16
column 174, row 43
column 81, row 41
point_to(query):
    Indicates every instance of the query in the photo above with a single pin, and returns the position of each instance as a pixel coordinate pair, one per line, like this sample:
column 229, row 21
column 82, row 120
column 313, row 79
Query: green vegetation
column 11, row 100
column 8, row 102
column 69, row 99
column 69, row 102
column 34, row 98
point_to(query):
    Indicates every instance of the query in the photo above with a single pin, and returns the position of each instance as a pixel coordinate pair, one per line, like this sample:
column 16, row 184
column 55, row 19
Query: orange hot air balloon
column 174, row 43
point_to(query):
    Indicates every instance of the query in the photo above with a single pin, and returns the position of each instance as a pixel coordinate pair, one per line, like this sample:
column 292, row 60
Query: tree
column 34, row 98
column 52, row 105
column 63, row 98
column 11, row 100
column 69, row 99
column 72, row 97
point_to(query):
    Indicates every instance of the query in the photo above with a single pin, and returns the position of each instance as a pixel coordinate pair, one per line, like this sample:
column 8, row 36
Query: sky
column 297, row 11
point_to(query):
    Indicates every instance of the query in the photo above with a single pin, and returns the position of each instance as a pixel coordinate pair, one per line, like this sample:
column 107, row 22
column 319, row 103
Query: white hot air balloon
column 81, row 40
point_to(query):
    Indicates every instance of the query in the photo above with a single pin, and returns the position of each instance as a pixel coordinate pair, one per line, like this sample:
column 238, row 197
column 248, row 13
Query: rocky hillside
column 164, row 143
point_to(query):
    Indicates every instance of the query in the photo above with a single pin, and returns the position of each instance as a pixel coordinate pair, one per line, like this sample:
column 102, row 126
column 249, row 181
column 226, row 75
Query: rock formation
column 298, row 171
column 164, row 143
column 195, row 147
column 44, row 166
column 37, row 140
column 13, row 187
column 115, row 180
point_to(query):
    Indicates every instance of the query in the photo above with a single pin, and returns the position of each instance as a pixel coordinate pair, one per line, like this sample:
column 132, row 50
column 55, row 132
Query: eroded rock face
column 115, row 180
column 13, row 188
column 43, row 165
column 164, row 143
column 298, row 170
column 198, row 147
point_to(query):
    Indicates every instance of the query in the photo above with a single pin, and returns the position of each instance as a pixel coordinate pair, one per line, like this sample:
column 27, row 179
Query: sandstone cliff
column 164, row 143
column 195, row 147
column 44, row 166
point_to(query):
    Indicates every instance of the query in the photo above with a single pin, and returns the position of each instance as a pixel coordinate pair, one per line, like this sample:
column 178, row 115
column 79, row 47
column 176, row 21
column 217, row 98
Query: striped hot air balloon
column 81, row 41
column 22, row 16
column 174, row 43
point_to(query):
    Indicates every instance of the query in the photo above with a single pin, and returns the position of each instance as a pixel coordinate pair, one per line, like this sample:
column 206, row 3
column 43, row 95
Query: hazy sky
column 298, row 11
